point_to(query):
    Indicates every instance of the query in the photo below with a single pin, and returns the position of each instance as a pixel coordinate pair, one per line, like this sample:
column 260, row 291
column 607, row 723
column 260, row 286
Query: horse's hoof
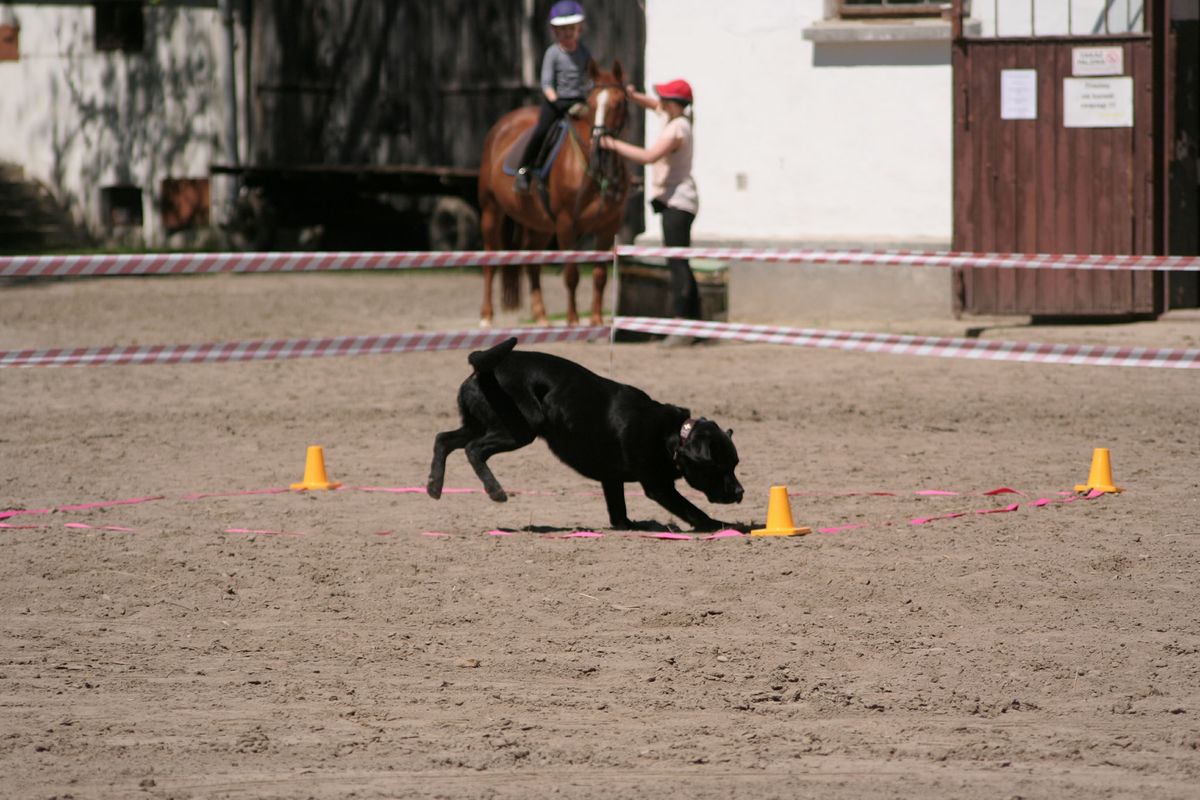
column 598, row 321
column 485, row 323
column 543, row 322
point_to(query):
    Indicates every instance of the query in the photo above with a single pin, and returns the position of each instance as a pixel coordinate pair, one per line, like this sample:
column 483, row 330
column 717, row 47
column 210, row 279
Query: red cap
column 678, row 89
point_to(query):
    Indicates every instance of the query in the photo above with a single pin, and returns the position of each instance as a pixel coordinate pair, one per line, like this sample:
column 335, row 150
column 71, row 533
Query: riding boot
column 521, row 182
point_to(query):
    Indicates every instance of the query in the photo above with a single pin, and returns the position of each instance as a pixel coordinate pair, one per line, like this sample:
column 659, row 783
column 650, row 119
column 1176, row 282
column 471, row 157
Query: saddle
column 544, row 161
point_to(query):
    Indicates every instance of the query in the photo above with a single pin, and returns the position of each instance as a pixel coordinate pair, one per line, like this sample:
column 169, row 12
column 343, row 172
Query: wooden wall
column 404, row 81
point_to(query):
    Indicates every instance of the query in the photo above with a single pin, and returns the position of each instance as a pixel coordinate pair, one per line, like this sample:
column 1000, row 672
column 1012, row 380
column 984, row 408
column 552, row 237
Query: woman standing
column 673, row 190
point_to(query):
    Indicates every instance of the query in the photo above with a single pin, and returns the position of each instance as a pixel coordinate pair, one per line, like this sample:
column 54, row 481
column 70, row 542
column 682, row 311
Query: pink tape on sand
column 258, row 531
column 108, row 503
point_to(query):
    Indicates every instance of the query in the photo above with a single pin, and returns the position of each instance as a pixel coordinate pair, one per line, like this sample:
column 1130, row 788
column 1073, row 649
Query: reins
column 604, row 165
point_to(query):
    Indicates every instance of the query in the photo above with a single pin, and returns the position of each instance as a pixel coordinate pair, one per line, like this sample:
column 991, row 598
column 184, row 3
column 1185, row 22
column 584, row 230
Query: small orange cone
column 314, row 471
column 779, row 516
column 1100, row 477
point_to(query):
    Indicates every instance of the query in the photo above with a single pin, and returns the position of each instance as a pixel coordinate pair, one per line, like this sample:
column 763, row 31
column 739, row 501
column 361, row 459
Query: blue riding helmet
column 566, row 12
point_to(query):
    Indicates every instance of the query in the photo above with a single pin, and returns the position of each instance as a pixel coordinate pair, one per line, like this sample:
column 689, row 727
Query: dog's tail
column 486, row 360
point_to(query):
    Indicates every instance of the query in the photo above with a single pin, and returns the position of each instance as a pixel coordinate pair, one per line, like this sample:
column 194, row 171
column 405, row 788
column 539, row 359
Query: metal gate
column 1057, row 150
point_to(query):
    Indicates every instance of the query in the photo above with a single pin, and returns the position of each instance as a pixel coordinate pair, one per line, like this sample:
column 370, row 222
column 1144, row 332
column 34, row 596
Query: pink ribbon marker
column 925, row 520
column 1004, row 510
column 725, row 533
column 840, row 528
column 130, row 502
column 18, row 511
column 263, row 532
column 202, row 495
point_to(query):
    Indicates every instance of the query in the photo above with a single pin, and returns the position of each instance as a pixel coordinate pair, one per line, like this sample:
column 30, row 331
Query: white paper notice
column 1098, row 102
column 1018, row 94
column 1097, row 61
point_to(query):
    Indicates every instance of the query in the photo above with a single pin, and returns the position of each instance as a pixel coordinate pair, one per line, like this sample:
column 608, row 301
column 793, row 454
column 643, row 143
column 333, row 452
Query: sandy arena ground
column 1048, row 652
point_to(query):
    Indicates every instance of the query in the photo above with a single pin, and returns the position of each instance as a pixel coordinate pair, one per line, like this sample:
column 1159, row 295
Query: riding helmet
column 566, row 12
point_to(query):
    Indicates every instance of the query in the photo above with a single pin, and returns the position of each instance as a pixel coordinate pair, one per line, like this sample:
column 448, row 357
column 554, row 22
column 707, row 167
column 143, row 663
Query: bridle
column 604, row 167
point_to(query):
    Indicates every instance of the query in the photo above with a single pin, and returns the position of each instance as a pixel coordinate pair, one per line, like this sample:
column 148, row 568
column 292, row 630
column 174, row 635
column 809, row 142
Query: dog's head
column 707, row 458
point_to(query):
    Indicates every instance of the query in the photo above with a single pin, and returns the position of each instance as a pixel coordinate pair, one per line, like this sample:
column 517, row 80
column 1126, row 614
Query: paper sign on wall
column 1097, row 61
column 1098, row 102
column 1018, row 94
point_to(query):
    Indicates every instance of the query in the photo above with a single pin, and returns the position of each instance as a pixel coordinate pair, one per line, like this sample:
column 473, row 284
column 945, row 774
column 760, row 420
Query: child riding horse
column 584, row 193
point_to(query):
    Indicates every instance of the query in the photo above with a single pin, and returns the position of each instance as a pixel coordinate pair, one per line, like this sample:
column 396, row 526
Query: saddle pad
column 555, row 137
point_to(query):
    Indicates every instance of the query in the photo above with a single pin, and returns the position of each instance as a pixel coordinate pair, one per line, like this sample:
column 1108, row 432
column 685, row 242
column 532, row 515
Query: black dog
column 607, row 431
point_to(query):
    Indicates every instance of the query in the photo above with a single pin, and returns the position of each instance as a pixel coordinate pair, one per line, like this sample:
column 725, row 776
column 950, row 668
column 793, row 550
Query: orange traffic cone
column 314, row 471
column 779, row 516
column 1100, row 476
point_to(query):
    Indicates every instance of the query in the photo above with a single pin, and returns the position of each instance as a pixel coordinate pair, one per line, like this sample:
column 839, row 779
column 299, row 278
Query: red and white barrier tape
column 206, row 263
column 928, row 258
column 270, row 349
column 984, row 349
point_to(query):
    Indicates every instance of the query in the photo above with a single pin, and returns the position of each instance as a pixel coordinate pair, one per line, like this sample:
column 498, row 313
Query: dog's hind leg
column 481, row 449
column 443, row 445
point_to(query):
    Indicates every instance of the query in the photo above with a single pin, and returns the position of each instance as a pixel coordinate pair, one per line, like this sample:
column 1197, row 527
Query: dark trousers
column 677, row 232
column 548, row 113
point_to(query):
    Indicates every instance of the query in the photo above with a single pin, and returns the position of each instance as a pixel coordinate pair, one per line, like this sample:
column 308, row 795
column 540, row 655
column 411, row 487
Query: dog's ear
column 730, row 433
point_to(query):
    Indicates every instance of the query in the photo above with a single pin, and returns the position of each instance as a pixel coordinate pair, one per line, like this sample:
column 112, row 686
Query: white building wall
column 77, row 119
column 826, row 142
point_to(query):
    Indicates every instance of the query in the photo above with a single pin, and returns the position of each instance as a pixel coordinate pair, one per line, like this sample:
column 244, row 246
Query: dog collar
column 686, row 430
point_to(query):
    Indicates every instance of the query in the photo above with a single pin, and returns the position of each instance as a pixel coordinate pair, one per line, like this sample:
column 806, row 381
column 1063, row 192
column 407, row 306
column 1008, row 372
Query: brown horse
column 584, row 194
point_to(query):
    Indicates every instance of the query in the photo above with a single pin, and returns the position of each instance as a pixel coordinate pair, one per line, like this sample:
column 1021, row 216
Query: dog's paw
column 434, row 490
column 498, row 494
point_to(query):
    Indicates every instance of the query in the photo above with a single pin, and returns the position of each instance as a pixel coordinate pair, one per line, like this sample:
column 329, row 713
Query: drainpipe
column 229, row 105
column 229, row 83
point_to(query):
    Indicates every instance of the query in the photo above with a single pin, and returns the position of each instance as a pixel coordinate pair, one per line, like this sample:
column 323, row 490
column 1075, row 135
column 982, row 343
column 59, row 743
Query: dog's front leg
column 614, row 497
column 669, row 498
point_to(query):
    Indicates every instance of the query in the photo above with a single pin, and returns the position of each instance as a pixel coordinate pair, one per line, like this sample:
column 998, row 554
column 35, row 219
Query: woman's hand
column 608, row 143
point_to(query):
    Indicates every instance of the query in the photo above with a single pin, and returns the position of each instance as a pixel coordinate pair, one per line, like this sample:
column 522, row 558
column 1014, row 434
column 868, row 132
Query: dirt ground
column 1048, row 651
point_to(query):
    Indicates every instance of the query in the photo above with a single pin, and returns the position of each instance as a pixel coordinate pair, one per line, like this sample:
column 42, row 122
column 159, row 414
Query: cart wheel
column 453, row 225
column 255, row 222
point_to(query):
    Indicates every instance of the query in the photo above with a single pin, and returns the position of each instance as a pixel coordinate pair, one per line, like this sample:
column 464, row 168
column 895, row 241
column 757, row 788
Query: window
column 119, row 26
column 185, row 203
column 121, row 206
column 854, row 9
column 10, row 42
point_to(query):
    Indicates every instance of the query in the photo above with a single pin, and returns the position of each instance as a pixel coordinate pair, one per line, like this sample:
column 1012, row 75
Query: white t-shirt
column 671, row 176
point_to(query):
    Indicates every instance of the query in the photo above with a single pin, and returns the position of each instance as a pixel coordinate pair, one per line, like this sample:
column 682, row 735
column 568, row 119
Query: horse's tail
column 510, row 286
column 510, row 274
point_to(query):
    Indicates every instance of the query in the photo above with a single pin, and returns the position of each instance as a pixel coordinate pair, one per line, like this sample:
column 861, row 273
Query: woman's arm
column 665, row 144
column 643, row 100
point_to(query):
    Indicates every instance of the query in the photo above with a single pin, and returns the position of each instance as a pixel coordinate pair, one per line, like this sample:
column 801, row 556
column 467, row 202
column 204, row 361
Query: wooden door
column 1034, row 185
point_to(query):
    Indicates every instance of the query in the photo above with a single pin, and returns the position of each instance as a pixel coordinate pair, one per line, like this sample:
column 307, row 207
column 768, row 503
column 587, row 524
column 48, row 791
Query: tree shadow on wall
column 134, row 118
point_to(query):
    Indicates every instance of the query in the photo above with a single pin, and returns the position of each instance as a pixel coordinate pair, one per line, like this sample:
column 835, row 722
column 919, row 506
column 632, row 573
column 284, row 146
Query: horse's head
column 608, row 102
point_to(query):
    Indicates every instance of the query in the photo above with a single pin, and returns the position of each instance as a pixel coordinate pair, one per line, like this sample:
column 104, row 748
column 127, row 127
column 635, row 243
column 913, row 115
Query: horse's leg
column 532, row 240
column 565, row 232
column 600, row 280
column 491, row 223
